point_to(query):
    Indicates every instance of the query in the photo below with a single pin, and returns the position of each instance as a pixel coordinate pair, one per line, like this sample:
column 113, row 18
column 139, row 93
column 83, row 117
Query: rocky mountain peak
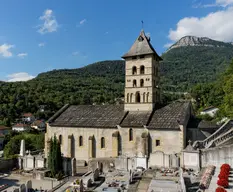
column 198, row 41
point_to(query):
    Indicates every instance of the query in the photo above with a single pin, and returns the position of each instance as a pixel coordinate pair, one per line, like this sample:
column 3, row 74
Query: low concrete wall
column 217, row 156
column 8, row 164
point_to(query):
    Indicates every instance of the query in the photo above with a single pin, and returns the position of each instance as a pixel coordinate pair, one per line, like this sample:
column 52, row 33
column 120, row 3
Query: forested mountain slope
column 194, row 60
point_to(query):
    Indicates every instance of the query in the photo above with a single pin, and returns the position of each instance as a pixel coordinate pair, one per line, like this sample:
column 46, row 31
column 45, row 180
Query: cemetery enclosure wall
column 217, row 156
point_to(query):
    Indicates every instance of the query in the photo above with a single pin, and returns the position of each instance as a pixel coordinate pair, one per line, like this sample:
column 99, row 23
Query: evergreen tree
column 59, row 158
column 55, row 158
column 50, row 157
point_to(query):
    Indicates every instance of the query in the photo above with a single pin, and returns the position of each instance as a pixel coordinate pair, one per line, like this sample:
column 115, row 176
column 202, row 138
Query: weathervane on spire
column 142, row 24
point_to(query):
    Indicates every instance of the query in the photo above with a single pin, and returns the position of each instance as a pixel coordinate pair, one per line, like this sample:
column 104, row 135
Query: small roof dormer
column 141, row 46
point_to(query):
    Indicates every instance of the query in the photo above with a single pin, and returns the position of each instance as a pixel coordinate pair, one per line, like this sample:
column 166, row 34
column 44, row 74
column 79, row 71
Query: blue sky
column 38, row 36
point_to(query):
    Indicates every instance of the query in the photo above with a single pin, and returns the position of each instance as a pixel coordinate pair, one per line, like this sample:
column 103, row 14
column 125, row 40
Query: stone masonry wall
column 217, row 156
column 170, row 141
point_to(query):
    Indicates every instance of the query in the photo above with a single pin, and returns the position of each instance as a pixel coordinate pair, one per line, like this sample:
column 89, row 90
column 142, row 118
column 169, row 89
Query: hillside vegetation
column 218, row 93
column 96, row 83
column 184, row 67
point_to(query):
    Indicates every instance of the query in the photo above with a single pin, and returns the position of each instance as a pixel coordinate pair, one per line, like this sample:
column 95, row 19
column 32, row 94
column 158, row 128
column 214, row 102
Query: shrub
column 223, row 182
column 220, row 189
column 223, row 176
column 225, row 167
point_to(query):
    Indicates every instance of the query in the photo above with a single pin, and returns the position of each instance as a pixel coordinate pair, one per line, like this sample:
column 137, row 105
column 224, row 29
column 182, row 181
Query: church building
column 136, row 128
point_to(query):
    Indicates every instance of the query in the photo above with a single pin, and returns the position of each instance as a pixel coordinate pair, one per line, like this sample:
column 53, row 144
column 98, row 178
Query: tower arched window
column 142, row 69
column 134, row 83
column 80, row 141
column 102, row 144
column 147, row 97
column 60, row 139
column 130, row 134
column 142, row 83
column 134, row 70
column 127, row 98
column 131, row 97
column 144, row 97
column 137, row 97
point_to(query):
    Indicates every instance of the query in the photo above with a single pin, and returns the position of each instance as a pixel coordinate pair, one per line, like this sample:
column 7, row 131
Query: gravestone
column 166, row 160
column 140, row 162
column 29, row 162
column 39, row 161
column 20, row 162
column 73, row 166
column 157, row 159
column 22, row 188
column 65, row 166
column 22, row 148
column 174, row 161
column 28, row 185
column 96, row 175
column 130, row 176
column 191, row 158
column 81, row 185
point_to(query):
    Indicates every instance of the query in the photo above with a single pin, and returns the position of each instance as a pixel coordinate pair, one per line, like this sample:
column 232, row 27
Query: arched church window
column 80, row 141
column 102, row 145
column 142, row 83
column 130, row 134
column 134, row 70
column 144, row 97
column 147, row 97
column 131, row 97
column 60, row 139
column 127, row 98
column 134, row 83
column 142, row 69
column 137, row 97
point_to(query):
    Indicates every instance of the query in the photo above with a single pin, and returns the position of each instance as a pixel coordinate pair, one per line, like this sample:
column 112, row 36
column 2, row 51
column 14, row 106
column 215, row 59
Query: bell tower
column 142, row 76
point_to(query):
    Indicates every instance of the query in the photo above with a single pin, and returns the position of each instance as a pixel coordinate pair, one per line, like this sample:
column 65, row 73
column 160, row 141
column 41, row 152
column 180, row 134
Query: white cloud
column 75, row 53
column 41, row 44
column 22, row 55
column 22, row 76
column 217, row 25
column 5, row 50
column 168, row 45
column 217, row 3
column 224, row 3
column 82, row 21
column 50, row 23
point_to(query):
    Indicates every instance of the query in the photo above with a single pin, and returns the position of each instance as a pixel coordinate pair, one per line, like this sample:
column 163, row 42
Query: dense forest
column 96, row 83
column 103, row 82
column 218, row 93
column 184, row 67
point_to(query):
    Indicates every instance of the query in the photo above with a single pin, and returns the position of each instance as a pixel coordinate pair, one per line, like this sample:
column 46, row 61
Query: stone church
column 136, row 128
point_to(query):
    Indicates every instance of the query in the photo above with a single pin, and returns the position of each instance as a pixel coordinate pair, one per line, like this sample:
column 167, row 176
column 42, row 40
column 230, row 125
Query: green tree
column 55, row 158
column 12, row 141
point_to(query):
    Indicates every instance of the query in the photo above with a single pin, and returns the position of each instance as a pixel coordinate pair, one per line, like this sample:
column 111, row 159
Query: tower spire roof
column 141, row 46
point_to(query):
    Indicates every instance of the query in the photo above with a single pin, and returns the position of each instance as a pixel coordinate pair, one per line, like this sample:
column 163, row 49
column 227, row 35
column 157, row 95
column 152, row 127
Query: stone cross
column 22, row 148
column 189, row 142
